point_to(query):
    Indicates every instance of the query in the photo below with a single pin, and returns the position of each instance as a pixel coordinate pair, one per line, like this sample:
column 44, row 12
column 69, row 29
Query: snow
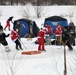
column 50, row 62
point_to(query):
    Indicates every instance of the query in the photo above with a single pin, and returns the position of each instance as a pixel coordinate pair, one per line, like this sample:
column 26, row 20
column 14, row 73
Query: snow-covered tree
column 12, row 63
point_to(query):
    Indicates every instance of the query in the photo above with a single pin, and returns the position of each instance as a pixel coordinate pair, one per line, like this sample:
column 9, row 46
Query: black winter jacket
column 3, row 36
column 1, row 28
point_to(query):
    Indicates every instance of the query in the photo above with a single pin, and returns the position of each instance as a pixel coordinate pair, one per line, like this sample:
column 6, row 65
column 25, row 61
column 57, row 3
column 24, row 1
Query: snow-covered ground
column 50, row 62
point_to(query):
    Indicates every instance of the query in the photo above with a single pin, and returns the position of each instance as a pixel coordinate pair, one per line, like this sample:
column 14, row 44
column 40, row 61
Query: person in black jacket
column 1, row 28
column 66, row 38
column 72, row 31
column 3, row 40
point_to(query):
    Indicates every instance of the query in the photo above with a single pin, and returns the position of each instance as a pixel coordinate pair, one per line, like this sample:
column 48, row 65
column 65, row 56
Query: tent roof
column 23, row 19
column 56, row 18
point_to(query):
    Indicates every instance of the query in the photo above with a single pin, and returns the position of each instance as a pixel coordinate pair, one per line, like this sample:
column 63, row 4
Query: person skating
column 66, row 39
column 8, row 23
column 72, row 31
column 1, row 28
column 41, row 34
column 15, row 38
column 3, row 40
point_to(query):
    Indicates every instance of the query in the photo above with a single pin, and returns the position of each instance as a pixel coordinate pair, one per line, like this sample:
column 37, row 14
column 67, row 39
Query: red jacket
column 14, row 35
column 58, row 30
column 49, row 29
column 41, row 34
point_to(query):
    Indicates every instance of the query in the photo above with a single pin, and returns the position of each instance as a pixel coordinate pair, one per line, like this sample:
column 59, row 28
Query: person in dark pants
column 1, row 28
column 15, row 38
column 66, row 39
column 3, row 40
column 72, row 31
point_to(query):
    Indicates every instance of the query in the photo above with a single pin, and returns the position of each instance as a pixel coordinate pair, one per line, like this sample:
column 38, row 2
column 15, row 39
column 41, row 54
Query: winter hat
column 10, row 18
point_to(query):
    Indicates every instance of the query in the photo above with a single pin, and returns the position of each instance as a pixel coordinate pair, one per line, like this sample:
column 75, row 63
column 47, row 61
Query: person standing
column 58, row 33
column 1, row 28
column 15, row 38
column 48, row 34
column 3, row 40
column 8, row 23
column 48, row 28
column 66, row 39
column 40, row 39
column 72, row 31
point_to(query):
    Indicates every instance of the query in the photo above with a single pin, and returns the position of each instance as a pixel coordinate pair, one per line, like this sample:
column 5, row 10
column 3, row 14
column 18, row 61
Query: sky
column 50, row 62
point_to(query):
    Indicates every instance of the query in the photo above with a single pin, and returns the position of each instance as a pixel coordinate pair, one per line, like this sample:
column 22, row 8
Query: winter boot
column 7, row 49
column 4, row 29
column 20, row 47
column 17, row 47
column 70, row 49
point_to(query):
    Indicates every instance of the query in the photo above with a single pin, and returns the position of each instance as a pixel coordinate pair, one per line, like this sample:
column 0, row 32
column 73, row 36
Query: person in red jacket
column 14, row 37
column 40, row 38
column 48, row 28
column 48, row 34
column 58, row 33
column 8, row 23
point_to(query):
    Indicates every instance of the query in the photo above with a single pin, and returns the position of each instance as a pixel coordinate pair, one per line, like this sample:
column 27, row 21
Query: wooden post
column 65, row 71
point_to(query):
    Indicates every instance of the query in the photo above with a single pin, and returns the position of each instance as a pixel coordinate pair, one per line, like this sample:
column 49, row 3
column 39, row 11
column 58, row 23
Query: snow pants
column 7, row 26
column 41, row 44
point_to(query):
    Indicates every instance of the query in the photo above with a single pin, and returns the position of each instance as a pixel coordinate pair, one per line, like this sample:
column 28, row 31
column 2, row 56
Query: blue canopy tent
column 26, row 24
column 53, row 21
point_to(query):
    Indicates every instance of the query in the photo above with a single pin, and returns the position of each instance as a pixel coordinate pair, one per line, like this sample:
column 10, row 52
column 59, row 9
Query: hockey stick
column 23, row 44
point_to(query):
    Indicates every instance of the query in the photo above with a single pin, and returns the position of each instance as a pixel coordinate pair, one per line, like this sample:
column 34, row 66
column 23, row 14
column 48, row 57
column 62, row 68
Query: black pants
column 4, row 43
column 73, row 35
column 69, row 45
column 18, row 44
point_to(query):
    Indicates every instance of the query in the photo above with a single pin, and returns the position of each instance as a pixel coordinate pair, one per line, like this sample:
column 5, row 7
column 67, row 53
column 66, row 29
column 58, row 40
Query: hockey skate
column 7, row 50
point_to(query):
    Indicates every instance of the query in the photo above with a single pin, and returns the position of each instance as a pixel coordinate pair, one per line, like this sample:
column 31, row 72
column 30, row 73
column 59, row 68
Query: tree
column 26, row 12
column 12, row 63
column 38, row 11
